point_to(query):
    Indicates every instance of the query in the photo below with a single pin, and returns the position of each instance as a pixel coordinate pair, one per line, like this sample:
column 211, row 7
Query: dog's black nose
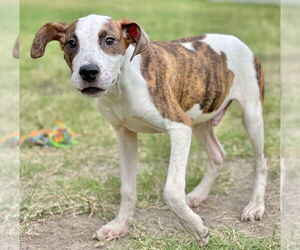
column 89, row 72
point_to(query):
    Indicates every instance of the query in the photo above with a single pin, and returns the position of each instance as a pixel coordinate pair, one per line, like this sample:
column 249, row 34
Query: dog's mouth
column 92, row 91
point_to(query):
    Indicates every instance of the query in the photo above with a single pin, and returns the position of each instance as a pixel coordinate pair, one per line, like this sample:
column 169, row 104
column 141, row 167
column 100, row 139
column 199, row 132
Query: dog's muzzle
column 89, row 74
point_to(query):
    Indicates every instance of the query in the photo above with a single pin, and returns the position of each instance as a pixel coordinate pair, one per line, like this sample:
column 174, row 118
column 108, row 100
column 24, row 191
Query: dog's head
column 95, row 48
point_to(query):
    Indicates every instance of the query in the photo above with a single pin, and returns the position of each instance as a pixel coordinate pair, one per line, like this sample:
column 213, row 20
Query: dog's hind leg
column 118, row 227
column 216, row 155
column 253, row 122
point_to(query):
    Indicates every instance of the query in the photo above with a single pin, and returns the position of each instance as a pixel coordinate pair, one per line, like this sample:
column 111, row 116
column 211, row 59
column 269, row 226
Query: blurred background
column 9, row 123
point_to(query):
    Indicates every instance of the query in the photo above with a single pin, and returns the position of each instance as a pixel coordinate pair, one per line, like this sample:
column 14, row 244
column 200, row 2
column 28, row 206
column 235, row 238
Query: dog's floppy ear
column 47, row 33
column 136, row 35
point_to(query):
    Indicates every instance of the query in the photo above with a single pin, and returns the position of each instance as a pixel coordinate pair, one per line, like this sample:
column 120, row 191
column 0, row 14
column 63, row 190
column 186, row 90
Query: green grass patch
column 223, row 239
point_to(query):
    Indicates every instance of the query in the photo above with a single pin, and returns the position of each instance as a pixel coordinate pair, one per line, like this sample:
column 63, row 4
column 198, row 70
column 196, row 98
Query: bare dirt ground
column 220, row 210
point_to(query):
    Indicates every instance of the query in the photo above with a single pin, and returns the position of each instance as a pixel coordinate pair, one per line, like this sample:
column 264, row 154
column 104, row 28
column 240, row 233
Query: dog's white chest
column 131, row 109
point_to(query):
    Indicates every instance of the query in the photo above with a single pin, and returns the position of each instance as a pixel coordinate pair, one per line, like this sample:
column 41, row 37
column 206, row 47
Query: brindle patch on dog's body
column 260, row 78
column 179, row 77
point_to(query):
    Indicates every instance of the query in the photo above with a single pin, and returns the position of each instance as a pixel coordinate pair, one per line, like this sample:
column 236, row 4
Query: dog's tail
column 260, row 78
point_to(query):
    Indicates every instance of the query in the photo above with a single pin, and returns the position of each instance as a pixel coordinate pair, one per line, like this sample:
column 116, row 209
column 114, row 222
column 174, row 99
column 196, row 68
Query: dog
column 177, row 87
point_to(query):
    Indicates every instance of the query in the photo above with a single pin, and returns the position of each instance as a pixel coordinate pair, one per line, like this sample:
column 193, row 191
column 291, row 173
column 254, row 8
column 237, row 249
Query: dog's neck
column 129, row 75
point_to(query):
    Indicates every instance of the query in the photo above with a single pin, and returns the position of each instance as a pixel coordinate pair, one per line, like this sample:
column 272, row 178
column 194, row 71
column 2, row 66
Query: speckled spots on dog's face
column 179, row 78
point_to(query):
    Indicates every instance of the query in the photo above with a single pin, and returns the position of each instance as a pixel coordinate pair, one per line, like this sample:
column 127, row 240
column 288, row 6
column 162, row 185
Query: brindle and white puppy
column 175, row 87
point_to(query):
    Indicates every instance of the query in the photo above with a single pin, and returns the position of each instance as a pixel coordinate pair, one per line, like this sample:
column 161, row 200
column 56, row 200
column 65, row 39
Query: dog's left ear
column 136, row 35
column 47, row 33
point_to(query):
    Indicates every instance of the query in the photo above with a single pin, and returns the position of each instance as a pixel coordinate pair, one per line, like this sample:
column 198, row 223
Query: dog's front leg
column 174, row 193
column 127, row 141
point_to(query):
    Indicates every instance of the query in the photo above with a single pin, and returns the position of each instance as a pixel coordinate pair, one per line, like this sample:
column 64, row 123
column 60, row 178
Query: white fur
column 198, row 116
column 188, row 45
column 174, row 193
column 127, row 141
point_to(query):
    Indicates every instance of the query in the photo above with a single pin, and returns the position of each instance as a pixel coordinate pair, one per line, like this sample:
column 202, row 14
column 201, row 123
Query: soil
column 221, row 209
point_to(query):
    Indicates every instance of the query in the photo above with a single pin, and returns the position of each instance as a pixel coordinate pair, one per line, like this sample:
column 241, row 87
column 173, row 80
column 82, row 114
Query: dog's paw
column 253, row 211
column 112, row 230
column 198, row 230
column 201, row 236
column 204, row 237
column 194, row 200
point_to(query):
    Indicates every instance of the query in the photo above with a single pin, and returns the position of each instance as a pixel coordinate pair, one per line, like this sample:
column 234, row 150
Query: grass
column 84, row 177
column 226, row 239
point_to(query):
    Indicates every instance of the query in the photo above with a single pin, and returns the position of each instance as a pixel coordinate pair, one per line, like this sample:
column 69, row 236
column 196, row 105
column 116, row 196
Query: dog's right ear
column 47, row 33
column 136, row 35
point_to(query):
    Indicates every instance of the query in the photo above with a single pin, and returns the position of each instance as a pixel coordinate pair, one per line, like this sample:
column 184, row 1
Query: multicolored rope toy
column 58, row 137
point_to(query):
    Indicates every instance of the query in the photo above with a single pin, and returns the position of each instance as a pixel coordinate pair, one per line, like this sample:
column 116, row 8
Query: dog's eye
column 109, row 41
column 72, row 43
